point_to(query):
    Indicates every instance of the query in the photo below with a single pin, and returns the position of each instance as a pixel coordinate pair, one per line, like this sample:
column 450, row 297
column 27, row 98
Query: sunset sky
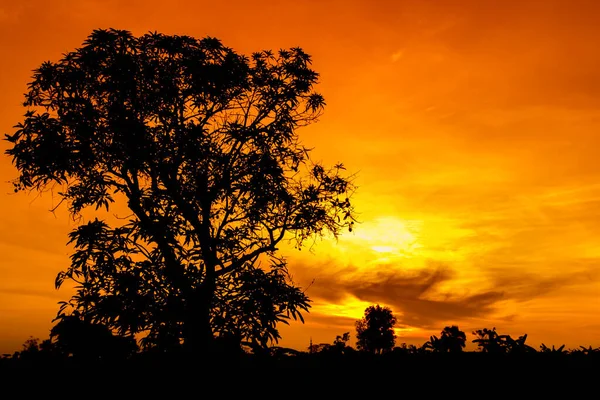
column 473, row 127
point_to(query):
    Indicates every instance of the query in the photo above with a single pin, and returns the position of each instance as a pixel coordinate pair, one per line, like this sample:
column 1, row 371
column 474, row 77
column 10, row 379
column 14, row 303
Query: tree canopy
column 451, row 340
column 375, row 331
column 201, row 144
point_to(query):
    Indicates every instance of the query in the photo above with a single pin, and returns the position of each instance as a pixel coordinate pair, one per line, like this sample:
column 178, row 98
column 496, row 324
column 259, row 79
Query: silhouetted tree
column 517, row 345
column 338, row 347
column 375, row 331
column 341, row 340
column 35, row 350
column 489, row 341
column 454, row 339
column 340, row 344
column 30, row 349
column 318, row 348
column 408, row 349
column 546, row 349
column 201, row 145
column 433, row 344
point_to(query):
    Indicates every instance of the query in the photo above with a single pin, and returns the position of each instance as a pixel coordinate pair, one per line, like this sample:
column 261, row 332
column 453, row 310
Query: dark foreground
column 477, row 363
column 307, row 376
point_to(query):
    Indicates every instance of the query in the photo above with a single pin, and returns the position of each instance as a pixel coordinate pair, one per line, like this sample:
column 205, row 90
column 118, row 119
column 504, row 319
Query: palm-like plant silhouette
column 489, row 341
column 518, row 345
column 586, row 350
column 546, row 349
column 451, row 340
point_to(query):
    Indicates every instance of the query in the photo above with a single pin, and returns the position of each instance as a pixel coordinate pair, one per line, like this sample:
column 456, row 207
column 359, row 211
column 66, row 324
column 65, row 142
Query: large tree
column 201, row 145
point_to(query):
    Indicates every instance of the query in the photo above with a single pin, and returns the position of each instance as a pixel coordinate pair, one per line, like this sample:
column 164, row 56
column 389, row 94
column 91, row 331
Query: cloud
column 422, row 299
column 414, row 296
column 526, row 286
column 331, row 321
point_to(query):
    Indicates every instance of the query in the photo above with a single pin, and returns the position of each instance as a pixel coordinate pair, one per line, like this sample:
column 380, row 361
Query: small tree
column 451, row 340
column 201, row 145
column 454, row 339
column 375, row 331
column 488, row 341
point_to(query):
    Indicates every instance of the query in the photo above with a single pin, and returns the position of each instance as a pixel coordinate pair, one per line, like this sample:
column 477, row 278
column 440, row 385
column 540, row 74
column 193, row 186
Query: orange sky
column 473, row 126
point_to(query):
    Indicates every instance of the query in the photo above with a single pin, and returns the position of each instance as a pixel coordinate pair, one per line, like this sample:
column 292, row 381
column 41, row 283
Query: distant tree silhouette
column 454, row 339
column 408, row 349
column 34, row 350
column 318, row 348
column 517, row 345
column 586, row 350
column 201, row 144
column 31, row 345
column 545, row 349
column 30, row 349
column 338, row 347
column 375, row 331
column 489, row 341
column 451, row 340
column 340, row 344
column 341, row 340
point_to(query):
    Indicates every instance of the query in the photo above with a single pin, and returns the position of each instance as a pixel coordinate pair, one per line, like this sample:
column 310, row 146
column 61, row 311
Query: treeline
column 74, row 340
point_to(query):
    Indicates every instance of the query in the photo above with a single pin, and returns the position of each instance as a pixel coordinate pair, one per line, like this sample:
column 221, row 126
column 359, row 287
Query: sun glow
column 349, row 308
column 383, row 239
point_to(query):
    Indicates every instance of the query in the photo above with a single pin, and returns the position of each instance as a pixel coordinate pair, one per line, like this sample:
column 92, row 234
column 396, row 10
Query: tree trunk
column 197, row 329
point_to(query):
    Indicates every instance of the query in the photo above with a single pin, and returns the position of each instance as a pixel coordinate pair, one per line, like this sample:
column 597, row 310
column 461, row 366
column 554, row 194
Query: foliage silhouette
column 586, row 350
column 546, row 349
column 335, row 356
column 405, row 348
column 489, row 341
column 451, row 340
column 341, row 341
column 339, row 346
column 73, row 336
column 375, row 331
column 201, row 144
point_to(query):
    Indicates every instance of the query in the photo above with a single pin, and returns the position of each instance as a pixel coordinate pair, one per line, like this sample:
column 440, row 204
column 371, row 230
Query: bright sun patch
column 384, row 239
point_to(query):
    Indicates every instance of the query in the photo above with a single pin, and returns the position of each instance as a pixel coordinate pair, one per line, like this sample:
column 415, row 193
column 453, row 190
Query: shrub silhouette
column 74, row 337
